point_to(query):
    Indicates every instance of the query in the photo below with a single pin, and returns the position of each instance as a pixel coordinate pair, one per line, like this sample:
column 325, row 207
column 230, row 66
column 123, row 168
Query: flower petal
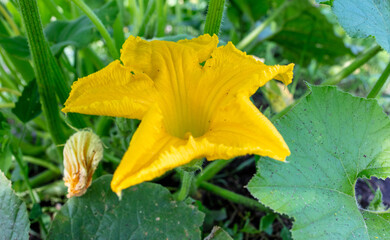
column 204, row 45
column 243, row 129
column 112, row 91
column 152, row 57
column 136, row 54
column 152, row 152
column 242, row 73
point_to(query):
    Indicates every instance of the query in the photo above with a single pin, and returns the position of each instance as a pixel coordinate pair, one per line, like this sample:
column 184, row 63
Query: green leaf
column 79, row 32
column 333, row 138
column 28, row 106
column 5, row 158
column 14, row 222
column 4, row 131
column 5, row 151
column 285, row 234
column 15, row 46
column 174, row 38
column 364, row 18
column 36, row 212
column 257, row 8
column 376, row 203
column 306, row 34
column 217, row 233
column 146, row 211
column 266, row 223
column 327, row 2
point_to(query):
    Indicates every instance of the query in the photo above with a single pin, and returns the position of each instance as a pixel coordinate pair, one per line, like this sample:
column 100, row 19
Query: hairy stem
column 185, row 187
column 40, row 56
column 214, row 17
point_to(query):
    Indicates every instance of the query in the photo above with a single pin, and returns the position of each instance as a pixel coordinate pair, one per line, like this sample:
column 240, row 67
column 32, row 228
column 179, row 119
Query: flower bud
column 82, row 153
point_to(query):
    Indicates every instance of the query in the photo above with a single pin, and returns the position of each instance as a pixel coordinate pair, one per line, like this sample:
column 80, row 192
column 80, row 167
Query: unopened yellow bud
column 82, row 153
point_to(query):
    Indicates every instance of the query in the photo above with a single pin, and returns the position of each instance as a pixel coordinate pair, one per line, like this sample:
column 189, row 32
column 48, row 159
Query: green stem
column 161, row 19
column 369, row 185
column 44, row 177
column 11, row 67
column 41, row 59
column 6, row 80
column 137, row 15
column 379, row 84
column 214, row 17
column 359, row 61
column 100, row 27
column 119, row 36
column 234, row 197
column 255, row 32
column 62, row 90
column 211, row 170
column 178, row 13
column 186, row 183
column 42, row 163
column 111, row 158
column 147, row 18
column 9, row 19
column 14, row 92
column 103, row 125
column 7, row 105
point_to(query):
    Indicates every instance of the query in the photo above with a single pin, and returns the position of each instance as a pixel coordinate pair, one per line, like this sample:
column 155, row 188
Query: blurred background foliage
column 299, row 31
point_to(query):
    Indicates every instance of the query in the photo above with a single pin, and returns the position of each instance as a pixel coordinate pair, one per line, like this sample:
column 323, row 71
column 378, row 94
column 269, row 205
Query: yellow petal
column 112, row 91
column 204, row 45
column 237, row 130
column 136, row 54
column 152, row 152
column 155, row 57
column 243, row 129
column 235, row 72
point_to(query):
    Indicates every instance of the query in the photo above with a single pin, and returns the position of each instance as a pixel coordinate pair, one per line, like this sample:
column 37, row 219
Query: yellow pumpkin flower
column 192, row 98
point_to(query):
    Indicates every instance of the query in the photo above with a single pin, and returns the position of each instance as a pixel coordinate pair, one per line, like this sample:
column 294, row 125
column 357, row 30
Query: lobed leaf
column 364, row 18
column 146, row 211
column 334, row 138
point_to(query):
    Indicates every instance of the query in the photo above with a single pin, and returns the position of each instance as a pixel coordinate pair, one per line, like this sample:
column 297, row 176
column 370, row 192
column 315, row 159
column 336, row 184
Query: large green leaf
column 334, row 138
column 363, row 18
column 14, row 222
column 306, row 34
column 146, row 211
column 79, row 32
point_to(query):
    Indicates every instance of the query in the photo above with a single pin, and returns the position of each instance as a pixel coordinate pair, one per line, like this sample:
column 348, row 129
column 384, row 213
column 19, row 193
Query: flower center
column 183, row 119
